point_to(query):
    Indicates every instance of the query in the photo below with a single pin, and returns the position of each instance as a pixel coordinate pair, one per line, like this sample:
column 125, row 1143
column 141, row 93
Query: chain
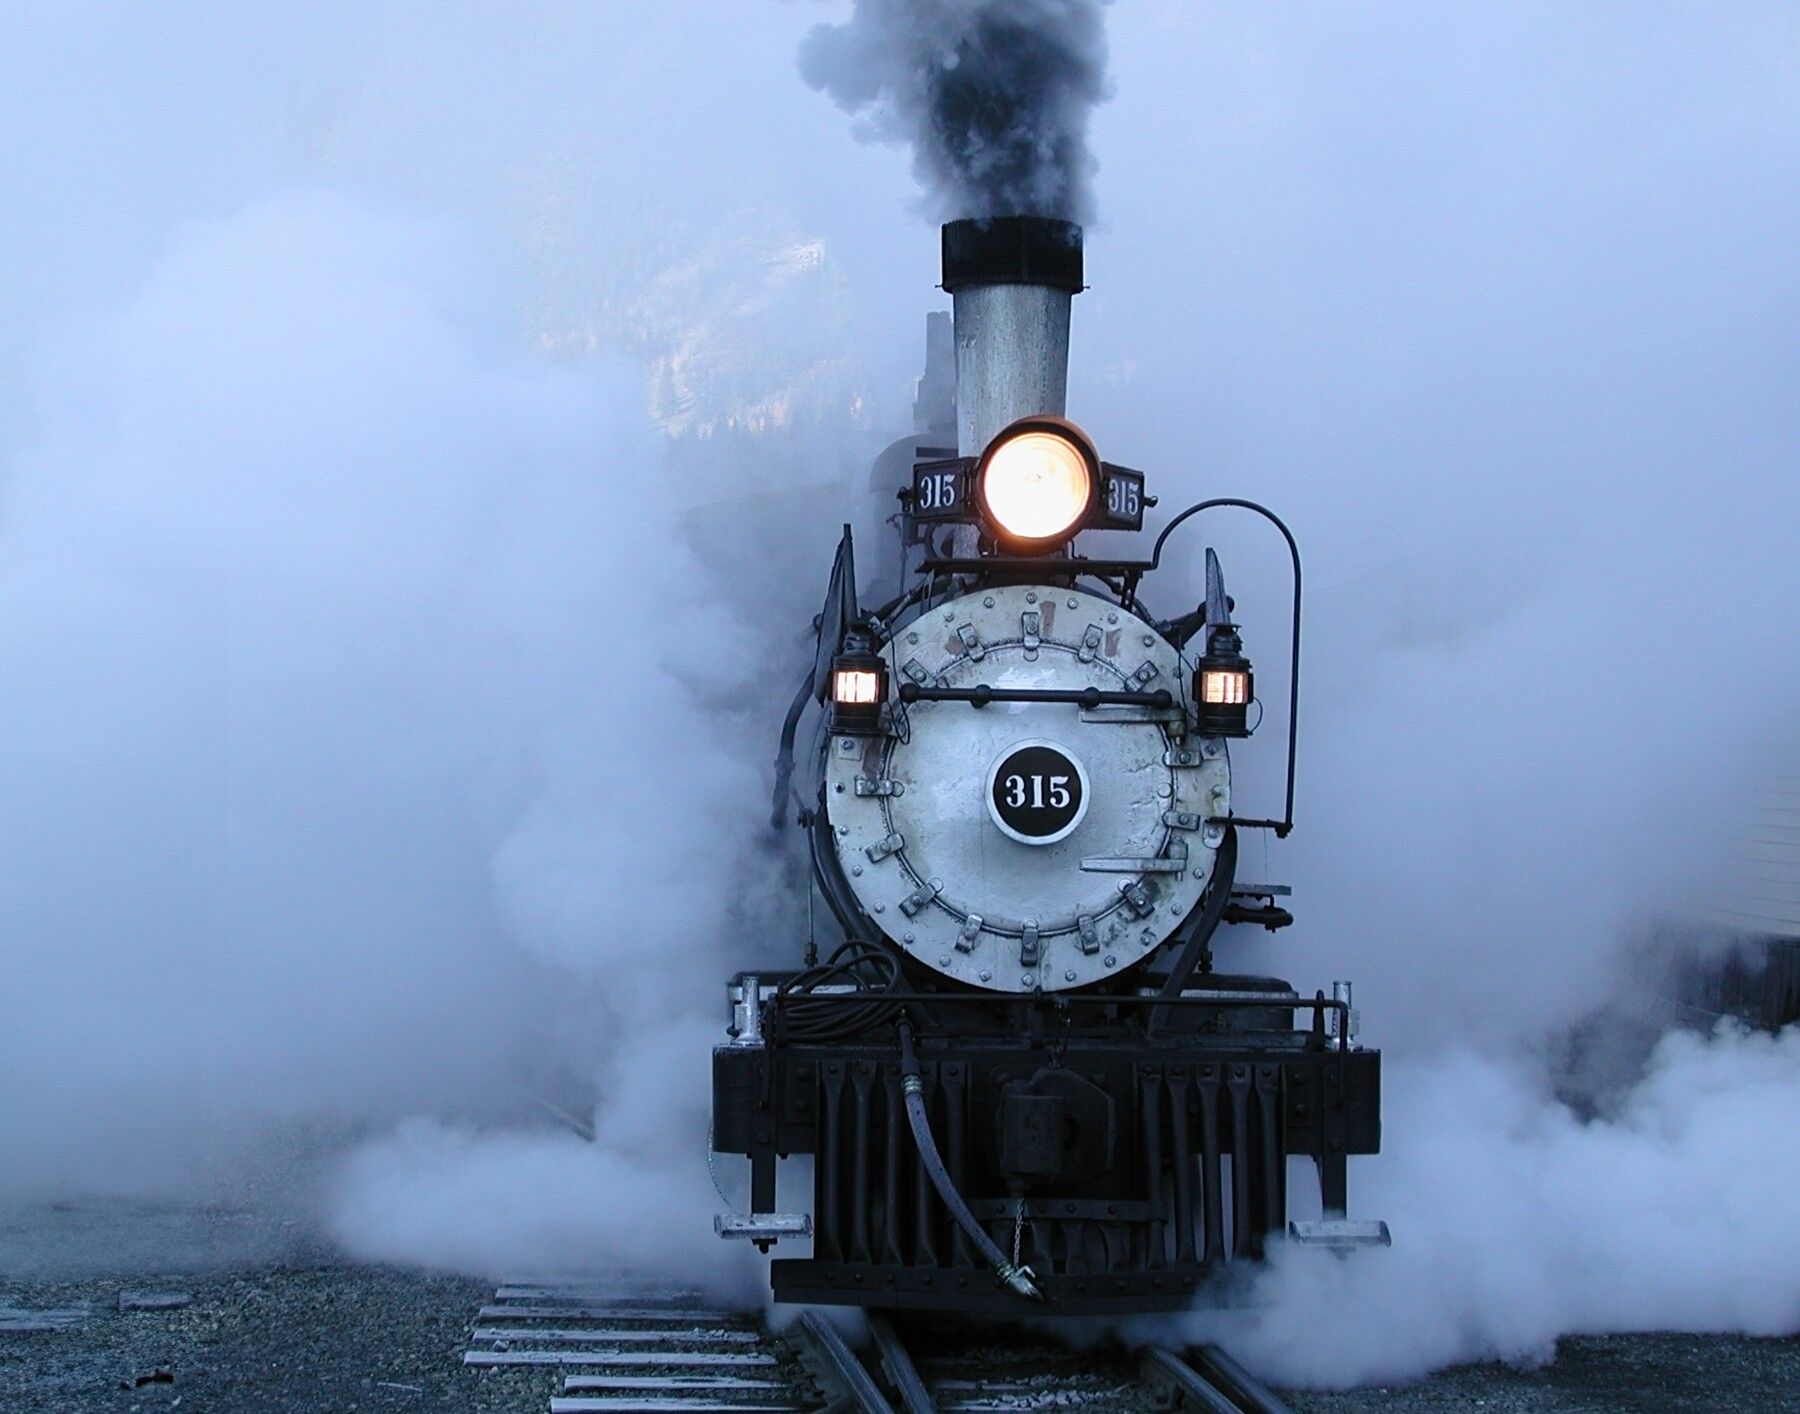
column 1018, row 1230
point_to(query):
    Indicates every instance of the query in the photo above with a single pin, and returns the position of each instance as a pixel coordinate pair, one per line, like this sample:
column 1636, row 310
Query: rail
column 1203, row 1378
column 842, row 1368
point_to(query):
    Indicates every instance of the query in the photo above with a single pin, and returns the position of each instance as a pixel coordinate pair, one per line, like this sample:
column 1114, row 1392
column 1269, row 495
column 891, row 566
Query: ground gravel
column 1624, row 1374
column 309, row 1338
column 326, row 1336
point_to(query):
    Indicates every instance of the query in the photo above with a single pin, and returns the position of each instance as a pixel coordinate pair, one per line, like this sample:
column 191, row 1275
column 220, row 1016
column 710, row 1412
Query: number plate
column 939, row 490
column 1121, row 504
column 1036, row 792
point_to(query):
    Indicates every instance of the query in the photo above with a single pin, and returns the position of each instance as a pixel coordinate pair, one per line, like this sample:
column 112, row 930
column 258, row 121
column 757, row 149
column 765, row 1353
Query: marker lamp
column 1223, row 686
column 858, row 688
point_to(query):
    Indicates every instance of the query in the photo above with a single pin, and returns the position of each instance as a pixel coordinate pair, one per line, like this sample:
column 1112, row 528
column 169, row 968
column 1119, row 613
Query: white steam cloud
column 993, row 96
column 1517, row 1222
column 365, row 689
column 332, row 655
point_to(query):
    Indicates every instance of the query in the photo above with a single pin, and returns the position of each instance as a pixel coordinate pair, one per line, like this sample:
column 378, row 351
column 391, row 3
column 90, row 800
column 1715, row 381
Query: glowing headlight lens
column 1036, row 485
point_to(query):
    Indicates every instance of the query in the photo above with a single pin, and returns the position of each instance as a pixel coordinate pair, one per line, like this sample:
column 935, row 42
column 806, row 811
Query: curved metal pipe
column 834, row 885
column 784, row 757
column 1019, row 1279
column 1206, row 920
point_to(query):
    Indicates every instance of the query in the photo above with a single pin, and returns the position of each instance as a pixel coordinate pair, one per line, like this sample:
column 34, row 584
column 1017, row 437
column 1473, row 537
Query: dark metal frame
column 1208, row 1112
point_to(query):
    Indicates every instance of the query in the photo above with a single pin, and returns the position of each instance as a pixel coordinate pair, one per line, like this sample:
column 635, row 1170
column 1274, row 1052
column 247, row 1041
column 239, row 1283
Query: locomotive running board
column 1340, row 1234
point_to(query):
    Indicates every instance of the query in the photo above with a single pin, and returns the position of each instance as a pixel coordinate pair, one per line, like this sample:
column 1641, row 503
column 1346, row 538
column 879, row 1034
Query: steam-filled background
column 421, row 439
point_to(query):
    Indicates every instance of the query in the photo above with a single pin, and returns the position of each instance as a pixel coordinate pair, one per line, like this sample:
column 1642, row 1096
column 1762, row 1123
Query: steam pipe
column 1019, row 1279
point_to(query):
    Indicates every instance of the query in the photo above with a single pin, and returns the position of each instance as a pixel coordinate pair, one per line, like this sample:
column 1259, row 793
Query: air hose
column 1020, row 1279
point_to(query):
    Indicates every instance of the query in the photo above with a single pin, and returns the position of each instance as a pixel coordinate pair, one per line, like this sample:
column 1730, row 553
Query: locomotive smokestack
column 1011, row 279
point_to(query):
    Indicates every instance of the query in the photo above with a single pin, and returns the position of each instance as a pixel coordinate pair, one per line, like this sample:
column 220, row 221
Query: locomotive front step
column 1341, row 1234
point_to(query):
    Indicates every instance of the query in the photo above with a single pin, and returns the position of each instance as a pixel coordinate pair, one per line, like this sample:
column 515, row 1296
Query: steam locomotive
column 1018, row 1083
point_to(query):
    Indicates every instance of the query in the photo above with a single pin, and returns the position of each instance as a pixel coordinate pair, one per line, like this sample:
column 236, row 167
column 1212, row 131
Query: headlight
column 1035, row 482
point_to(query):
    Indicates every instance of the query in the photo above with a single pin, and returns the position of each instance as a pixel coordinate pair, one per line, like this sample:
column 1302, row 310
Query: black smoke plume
column 992, row 95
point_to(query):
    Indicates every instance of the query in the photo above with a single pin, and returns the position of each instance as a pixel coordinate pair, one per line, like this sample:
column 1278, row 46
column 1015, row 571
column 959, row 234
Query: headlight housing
column 1036, row 482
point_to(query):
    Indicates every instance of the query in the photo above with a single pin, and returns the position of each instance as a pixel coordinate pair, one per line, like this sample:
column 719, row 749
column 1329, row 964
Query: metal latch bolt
column 882, row 848
column 921, row 896
column 1137, row 898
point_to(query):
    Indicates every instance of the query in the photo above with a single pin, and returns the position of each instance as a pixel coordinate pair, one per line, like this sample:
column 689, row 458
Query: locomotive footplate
column 1128, row 1173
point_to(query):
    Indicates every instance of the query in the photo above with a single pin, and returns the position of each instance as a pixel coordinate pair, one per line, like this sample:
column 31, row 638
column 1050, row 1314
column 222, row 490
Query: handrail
column 1286, row 823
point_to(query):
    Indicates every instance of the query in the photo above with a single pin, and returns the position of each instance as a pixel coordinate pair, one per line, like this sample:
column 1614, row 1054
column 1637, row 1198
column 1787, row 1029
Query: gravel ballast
column 339, row 1337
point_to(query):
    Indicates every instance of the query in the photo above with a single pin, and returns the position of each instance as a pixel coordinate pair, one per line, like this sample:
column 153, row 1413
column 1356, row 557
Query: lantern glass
column 1225, row 687
column 855, row 686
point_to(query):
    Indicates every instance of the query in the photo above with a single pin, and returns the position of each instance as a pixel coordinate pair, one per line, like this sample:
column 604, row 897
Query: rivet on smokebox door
column 1069, row 976
column 1111, row 960
column 1149, row 639
column 987, row 974
column 988, row 602
column 1112, row 618
column 1031, row 596
column 1074, row 603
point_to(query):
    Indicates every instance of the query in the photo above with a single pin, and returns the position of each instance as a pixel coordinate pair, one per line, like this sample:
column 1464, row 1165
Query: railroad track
column 1020, row 1371
column 619, row 1353
column 626, row 1353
